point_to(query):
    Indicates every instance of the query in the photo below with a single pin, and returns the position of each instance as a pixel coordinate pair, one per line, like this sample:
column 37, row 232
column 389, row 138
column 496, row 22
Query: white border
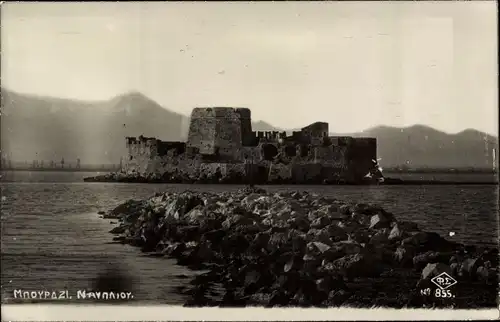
column 34, row 312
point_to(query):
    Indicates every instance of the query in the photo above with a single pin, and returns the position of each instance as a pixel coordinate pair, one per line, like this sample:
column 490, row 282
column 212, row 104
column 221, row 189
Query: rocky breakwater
column 300, row 249
column 207, row 176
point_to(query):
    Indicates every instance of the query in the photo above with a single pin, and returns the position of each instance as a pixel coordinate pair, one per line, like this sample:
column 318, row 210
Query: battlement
column 141, row 140
column 221, row 112
column 224, row 135
column 269, row 135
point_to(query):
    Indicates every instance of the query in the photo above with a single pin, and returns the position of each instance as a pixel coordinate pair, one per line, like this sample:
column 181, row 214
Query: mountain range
column 47, row 128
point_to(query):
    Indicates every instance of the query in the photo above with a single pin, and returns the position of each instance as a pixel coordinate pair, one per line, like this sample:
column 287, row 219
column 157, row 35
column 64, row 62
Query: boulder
column 117, row 230
column 425, row 241
column 396, row 233
column 299, row 223
column 355, row 265
column 379, row 221
column 250, row 200
column 408, row 226
column 434, row 269
column 381, row 237
column 487, row 275
column 420, row 261
column 195, row 215
column 404, row 255
column 468, row 267
column 319, row 235
column 361, row 219
column 331, row 212
column 337, row 233
column 181, row 205
column 236, row 220
column 320, row 222
column 317, row 247
column 359, row 236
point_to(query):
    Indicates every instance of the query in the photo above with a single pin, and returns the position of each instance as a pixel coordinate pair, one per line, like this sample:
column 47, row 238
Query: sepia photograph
column 289, row 156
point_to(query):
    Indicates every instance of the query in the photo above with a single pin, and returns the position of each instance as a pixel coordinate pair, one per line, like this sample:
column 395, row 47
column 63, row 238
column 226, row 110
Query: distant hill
column 46, row 128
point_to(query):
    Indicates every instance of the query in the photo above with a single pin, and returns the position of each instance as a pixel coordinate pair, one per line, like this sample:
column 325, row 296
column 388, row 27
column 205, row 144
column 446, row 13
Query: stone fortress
column 221, row 147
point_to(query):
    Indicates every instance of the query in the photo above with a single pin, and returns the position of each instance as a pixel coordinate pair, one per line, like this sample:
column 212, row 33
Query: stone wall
column 220, row 131
column 279, row 172
column 202, row 132
column 222, row 138
column 360, row 154
column 247, row 137
column 140, row 151
column 315, row 132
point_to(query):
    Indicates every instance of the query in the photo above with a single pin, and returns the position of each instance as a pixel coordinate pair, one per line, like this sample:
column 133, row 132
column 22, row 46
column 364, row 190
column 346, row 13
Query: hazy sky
column 352, row 64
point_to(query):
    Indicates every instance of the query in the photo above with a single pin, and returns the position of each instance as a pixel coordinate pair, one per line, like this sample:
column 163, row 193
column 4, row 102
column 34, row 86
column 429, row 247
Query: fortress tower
column 220, row 131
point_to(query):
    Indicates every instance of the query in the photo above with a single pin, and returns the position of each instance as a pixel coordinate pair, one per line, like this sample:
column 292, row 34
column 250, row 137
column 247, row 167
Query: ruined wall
column 250, row 153
column 315, row 132
column 223, row 138
column 278, row 172
column 140, row 151
column 304, row 172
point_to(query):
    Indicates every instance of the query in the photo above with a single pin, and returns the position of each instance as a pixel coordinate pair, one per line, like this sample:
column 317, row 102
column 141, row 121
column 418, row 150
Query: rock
column 317, row 247
column 483, row 274
column 381, row 237
column 337, row 233
column 341, row 249
column 408, row 226
column 299, row 223
column 182, row 205
column 214, row 236
column 379, row 221
column 117, row 230
column 468, row 267
column 174, row 250
column 420, row 261
column 454, row 268
column 277, row 241
column 295, row 263
column 404, row 255
column 337, row 297
column 195, row 215
column 291, row 248
column 332, row 212
column 396, row 233
column 356, row 265
column 363, row 208
column 236, row 220
column 432, row 270
column 425, row 241
column 360, row 219
column 101, row 212
column 320, row 222
column 359, row 236
column 250, row 200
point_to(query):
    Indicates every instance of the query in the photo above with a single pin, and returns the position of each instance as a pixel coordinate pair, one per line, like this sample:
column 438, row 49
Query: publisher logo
column 444, row 281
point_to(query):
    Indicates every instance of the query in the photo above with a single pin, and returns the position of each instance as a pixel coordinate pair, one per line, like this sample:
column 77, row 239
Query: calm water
column 52, row 237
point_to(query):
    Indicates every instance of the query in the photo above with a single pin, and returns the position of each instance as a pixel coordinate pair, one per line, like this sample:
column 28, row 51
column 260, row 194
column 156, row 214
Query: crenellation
column 223, row 136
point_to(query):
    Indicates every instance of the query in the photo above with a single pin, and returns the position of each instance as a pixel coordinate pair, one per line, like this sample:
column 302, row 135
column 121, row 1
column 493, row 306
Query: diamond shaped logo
column 444, row 281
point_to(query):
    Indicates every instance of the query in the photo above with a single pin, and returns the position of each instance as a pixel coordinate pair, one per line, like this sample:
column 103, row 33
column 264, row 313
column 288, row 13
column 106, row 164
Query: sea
column 53, row 239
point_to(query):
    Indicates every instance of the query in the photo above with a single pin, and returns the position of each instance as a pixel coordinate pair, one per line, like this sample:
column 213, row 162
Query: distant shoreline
column 59, row 170
column 386, row 170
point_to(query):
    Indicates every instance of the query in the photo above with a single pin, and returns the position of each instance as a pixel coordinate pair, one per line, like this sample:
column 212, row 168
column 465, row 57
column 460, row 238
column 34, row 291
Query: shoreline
column 329, row 252
column 113, row 177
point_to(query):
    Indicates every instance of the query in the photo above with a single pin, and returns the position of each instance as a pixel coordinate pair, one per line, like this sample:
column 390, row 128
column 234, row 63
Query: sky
column 354, row 65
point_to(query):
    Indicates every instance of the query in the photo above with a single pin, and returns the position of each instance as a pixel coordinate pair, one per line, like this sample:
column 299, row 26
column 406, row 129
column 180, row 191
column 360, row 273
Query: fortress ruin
column 221, row 139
